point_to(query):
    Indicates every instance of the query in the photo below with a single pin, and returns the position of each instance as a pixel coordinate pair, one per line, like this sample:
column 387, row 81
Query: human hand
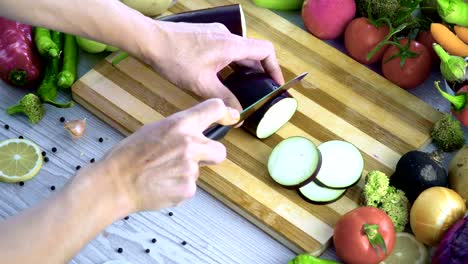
column 158, row 165
column 191, row 55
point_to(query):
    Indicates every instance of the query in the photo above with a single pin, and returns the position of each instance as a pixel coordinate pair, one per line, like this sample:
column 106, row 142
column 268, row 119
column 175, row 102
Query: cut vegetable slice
column 320, row 195
column 342, row 165
column 249, row 86
column 231, row 16
column 407, row 250
column 20, row 160
column 294, row 162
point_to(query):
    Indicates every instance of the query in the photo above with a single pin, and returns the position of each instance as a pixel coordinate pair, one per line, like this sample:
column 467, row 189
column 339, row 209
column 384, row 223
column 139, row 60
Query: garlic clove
column 76, row 128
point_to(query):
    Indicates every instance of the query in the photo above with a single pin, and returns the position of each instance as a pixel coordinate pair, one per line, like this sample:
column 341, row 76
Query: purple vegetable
column 453, row 249
column 19, row 62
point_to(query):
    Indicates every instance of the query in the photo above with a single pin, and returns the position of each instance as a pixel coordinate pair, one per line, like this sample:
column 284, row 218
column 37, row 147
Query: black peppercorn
column 20, row 137
column 147, row 250
column 52, row 188
column 127, row 217
column 92, row 160
column 62, row 119
column 171, row 214
column 6, row 126
column 101, row 139
column 43, row 153
column 78, row 167
column 120, row 250
column 54, row 149
column 46, row 159
column 21, row 183
column 184, row 243
column 153, row 240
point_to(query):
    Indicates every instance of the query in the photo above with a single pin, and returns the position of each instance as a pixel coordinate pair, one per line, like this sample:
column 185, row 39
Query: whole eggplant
column 20, row 65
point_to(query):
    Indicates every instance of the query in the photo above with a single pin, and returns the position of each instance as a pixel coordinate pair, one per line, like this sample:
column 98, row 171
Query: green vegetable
column 47, row 90
column 90, row 46
column 453, row 68
column 378, row 193
column 44, row 43
column 70, row 60
column 308, row 259
column 453, row 11
column 447, row 134
column 379, row 9
column 31, row 106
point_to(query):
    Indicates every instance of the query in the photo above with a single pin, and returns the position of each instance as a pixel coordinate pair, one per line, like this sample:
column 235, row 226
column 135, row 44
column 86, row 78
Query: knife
column 217, row 132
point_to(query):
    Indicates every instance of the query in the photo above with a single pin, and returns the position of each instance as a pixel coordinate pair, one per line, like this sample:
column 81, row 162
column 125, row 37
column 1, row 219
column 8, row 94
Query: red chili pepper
column 19, row 61
column 459, row 103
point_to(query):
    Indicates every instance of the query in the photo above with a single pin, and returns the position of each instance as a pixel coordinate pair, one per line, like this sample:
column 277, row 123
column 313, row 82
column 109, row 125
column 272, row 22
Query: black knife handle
column 216, row 132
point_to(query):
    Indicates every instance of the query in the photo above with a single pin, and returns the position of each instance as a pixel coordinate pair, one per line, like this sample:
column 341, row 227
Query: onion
column 435, row 210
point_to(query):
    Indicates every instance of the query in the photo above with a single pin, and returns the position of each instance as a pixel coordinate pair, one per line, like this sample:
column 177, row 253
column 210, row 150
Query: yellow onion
column 435, row 210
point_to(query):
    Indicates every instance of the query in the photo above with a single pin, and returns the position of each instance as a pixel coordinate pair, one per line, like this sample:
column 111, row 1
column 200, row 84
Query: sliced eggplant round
column 342, row 165
column 249, row 86
column 231, row 16
column 320, row 195
column 294, row 162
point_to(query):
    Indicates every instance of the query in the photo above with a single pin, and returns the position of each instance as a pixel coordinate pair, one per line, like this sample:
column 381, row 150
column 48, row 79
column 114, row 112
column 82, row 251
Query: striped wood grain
column 340, row 99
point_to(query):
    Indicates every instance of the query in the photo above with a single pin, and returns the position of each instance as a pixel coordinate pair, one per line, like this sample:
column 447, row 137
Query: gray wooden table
column 213, row 233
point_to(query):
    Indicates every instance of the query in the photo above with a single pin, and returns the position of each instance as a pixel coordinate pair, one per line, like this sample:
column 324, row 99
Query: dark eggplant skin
column 321, row 184
column 249, row 86
column 417, row 171
column 20, row 65
column 230, row 16
column 319, row 203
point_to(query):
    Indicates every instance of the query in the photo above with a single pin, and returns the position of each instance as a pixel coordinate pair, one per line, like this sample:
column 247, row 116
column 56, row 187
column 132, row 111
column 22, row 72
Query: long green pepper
column 70, row 60
column 47, row 90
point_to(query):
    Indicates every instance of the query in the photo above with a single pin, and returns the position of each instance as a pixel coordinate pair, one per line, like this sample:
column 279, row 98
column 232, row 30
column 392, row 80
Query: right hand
column 158, row 165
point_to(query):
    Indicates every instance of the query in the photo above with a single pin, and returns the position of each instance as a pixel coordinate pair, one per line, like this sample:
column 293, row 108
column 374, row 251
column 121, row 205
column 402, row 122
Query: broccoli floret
column 447, row 134
column 378, row 193
column 379, row 9
column 31, row 106
column 375, row 188
column 396, row 205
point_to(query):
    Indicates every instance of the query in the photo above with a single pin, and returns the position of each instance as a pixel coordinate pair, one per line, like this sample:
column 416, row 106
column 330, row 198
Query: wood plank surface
column 340, row 99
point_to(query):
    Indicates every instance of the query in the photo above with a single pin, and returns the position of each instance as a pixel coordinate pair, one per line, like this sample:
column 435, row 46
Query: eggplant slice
column 342, row 165
column 249, row 86
column 294, row 162
column 320, row 195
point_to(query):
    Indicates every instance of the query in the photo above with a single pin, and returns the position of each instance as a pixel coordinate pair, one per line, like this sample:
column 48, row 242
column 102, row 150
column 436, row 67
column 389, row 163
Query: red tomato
column 361, row 37
column 415, row 70
column 427, row 40
column 352, row 243
column 462, row 115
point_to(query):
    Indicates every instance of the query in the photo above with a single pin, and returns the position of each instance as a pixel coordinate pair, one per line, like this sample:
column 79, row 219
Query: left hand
column 191, row 55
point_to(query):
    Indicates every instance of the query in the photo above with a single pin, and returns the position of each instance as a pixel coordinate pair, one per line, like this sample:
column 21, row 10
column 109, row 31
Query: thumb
column 208, row 112
column 219, row 90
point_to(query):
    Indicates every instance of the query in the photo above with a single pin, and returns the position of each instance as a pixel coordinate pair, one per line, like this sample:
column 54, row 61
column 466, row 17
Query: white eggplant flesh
column 320, row 195
column 294, row 162
column 276, row 116
column 342, row 165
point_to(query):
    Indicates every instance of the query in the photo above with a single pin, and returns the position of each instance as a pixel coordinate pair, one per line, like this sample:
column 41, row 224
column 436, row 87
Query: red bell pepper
column 459, row 103
column 19, row 60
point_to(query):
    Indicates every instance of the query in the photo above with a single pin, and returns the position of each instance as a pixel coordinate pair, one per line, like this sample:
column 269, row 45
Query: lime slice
column 407, row 250
column 20, row 160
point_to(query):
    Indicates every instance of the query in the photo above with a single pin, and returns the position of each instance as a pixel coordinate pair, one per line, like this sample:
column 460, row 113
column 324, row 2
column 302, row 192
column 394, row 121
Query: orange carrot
column 448, row 40
column 462, row 33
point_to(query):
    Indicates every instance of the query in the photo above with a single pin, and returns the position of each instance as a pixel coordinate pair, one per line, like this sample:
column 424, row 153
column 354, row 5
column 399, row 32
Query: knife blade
column 217, row 132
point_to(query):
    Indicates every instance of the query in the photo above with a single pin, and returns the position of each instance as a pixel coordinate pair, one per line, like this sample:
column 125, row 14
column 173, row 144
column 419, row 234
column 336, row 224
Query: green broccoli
column 378, row 193
column 447, row 134
column 31, row 106
column 379, row 9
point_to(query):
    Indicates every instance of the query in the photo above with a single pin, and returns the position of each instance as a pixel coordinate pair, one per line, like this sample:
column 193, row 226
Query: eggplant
column 417, row 171
column 20, row 65
column 294, row 162
column 342, row 165
column 231, row 16
column 249, row 86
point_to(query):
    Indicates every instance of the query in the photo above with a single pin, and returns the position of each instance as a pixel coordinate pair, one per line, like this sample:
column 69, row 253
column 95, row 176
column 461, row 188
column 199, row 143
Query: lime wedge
column 20, row 160
column 407, row 250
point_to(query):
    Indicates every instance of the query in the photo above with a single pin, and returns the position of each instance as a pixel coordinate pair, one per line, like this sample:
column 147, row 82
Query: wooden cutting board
column 339, row 99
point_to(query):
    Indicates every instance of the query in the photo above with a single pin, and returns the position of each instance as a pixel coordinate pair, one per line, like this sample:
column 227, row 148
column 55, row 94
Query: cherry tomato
column 354, row 232
column 427, row 40
column 361, row 37
column 414, row 71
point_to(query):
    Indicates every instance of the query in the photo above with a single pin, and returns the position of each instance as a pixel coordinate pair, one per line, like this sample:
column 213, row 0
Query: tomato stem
column 375, row 238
